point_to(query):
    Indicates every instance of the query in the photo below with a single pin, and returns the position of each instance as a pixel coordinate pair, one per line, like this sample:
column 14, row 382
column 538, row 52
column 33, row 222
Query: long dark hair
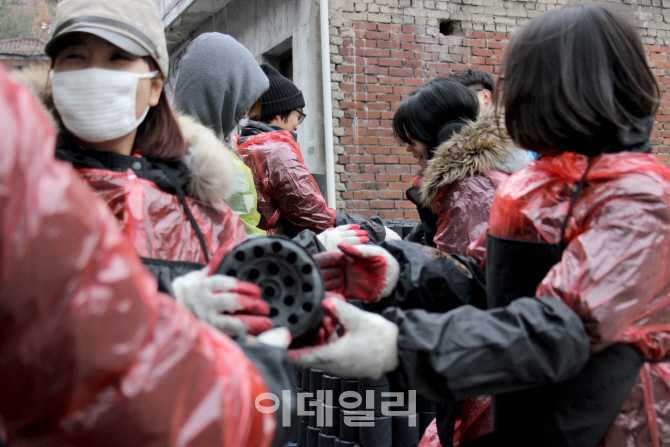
column 430, row 108
column 576, row 79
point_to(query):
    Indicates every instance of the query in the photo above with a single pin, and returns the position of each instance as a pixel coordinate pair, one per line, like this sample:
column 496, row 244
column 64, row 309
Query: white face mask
column 97, row 104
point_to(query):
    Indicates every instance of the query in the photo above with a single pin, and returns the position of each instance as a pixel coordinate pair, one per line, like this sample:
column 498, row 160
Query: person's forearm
column 470, row 352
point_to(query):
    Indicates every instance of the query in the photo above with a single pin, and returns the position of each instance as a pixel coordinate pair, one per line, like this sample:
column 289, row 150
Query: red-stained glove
column 368, row 348
column 328, row 329
column 349, row 234
column 359, row 272
column 233, row 306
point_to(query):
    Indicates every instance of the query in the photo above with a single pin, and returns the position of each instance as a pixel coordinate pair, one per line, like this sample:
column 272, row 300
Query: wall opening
column 281, row 58
column 450, row 27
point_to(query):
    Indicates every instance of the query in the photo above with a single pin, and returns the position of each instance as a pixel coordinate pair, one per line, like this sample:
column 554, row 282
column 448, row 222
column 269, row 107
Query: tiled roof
column 22, row 46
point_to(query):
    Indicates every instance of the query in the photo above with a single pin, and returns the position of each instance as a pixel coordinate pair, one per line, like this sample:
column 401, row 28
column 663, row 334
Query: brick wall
column 381, row 50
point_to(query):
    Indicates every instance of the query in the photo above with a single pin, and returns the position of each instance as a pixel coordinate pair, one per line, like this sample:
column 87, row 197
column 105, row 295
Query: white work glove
column 368, row 347
column 359, row 272
column 233, row 306
column 391, row 235
column 350, row 234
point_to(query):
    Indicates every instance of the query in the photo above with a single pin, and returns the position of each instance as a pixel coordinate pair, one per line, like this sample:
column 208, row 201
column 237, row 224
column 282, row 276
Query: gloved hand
column 233, row 306
column 391, row 235
column 327, row 330
column 361, row 272
column 350, row 234
column 368, row 347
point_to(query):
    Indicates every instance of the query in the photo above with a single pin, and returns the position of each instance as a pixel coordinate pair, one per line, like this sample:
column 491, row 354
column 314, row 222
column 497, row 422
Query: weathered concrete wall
column 261, row 25
column 381, row 50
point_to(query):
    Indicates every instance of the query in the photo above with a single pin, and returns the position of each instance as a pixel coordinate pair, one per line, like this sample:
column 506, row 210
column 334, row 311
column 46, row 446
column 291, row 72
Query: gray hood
column 218, row 81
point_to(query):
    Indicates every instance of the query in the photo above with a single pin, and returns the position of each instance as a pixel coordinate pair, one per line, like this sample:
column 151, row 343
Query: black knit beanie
column 282, row 96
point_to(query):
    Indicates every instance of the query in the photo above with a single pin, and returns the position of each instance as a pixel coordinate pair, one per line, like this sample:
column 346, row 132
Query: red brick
column 414, row 81
column 380, row 89
column 390, row 195
column 386, row 159
column 482, row 52
column 366, row 195
column 388, row 141
column 380, row 132
column 412, row 29
column 379, row 106
column 387, row 178
column 398, row 169
column 349, row 69
column 401, row 71
column 390, row 62
column 358, row 204
column 366, row 97
column 403, row 90
column 396, row 185
column 389, row 98
column 388, row 45
column 361, row 159
column 382, row 204
column 389, row 27
column 373, row 168
column 376, row 52
column 362, row 177
column 351, row 105
column 377, row 150
column 390, row 80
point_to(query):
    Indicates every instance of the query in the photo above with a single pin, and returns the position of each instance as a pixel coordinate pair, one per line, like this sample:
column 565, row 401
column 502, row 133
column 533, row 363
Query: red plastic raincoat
column 615, row 271
column 155, row 220
column 461, row 179
column 283, row 183
column 90, row 353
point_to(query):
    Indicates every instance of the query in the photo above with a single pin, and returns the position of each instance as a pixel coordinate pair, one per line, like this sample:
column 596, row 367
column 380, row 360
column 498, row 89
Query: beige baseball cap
column 132, row 25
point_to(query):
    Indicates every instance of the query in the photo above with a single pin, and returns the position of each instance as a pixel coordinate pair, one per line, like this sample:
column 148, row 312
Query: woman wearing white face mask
column 163, row 177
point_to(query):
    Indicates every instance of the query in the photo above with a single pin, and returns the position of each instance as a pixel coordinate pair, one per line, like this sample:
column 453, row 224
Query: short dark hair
column 426, row 110
column 576, row 79
column 469, row 77
column 283, row 116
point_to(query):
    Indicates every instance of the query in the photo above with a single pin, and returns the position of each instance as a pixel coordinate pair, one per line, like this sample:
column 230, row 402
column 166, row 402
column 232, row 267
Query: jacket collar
column 479, row 147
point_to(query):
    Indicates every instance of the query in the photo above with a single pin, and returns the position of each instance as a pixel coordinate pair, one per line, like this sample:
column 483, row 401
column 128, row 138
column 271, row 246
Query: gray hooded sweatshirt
column 218, row 81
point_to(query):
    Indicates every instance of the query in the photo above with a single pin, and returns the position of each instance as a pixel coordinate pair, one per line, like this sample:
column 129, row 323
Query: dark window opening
column 281, row 58
column 450, row 27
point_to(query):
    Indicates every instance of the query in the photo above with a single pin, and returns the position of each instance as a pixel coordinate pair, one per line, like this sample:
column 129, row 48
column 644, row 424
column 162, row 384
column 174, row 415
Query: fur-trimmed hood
column 480, row 146
column 211, row 171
